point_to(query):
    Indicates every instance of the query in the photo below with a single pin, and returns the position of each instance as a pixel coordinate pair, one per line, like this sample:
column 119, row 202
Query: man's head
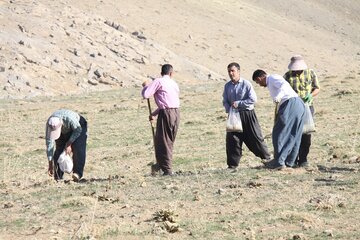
column 166, row 69
column 53, row 130
column 259, row 76
column 234, row 71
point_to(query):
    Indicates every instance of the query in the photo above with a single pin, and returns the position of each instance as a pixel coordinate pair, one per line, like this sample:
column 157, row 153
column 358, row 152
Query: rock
column 93, row 82
column 221, row 191
column 2, row 69
column 97, row 73
column 140, row 61
column 329, row 233
column 22, row 29
column 8, row 205
column 104, row 82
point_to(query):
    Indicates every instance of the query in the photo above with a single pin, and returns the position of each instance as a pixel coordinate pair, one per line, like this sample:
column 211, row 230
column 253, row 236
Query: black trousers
column 251, row 136
column 305, row 144
column 78, row 150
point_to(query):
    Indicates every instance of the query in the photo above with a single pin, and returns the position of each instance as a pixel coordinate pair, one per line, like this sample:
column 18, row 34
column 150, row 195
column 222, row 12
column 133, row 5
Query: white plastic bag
column 233, row 123
column 309, row 125
column 65, row 162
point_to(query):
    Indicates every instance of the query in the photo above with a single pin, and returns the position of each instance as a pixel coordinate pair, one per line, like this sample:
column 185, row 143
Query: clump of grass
column 167, row 217
column 328, row 202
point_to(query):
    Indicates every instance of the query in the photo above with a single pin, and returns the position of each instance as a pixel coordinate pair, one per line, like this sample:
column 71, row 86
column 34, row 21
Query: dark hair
column 166, row 69
column 234, row 64
column 258, row 73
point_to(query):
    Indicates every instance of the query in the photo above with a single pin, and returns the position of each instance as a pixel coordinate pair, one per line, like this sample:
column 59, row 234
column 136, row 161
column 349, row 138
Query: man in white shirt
column 288, row 127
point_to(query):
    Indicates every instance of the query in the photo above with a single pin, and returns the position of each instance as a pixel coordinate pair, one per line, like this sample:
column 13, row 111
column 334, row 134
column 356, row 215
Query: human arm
column 51, row 168
column 50, row 146
column 275, row 85
column 315, row 89
column 247, row 95
column 76, row 132
column 150, row 88
column 225, row 100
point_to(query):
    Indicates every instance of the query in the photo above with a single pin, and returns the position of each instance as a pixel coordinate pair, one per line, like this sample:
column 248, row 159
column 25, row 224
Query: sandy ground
column 62, row 47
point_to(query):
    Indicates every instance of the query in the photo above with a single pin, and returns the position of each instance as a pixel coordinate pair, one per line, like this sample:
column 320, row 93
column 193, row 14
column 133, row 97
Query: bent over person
column 289, row 122
column 305, row 83
column 66, row 131
column 240, row 94
column 166, row 94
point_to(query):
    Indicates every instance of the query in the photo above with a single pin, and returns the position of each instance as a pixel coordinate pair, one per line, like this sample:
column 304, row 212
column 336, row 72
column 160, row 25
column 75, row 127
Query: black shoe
column 265, row 161
column 274, row 165
column 304, row 165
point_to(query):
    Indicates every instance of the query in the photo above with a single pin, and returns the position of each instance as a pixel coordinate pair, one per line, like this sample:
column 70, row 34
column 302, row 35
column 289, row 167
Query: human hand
column 277, row 100
column 235, row 104
column 68, row 149
column 146, row 83
column 51, row 168
column 308, row 98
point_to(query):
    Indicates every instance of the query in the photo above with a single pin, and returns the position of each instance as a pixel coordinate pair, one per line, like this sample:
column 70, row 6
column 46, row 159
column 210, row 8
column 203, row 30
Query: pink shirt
column 165, row 91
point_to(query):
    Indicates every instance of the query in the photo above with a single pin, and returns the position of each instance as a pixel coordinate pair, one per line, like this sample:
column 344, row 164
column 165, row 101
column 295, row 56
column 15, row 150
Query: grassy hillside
column 120, row 200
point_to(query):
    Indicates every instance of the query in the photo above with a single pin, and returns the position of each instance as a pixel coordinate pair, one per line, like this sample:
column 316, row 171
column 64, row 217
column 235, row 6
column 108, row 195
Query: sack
column 309, row 125
column 65, row 162
column 233, row 123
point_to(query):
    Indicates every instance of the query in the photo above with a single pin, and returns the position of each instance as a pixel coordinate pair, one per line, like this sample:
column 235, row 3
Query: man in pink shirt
column 166, row 94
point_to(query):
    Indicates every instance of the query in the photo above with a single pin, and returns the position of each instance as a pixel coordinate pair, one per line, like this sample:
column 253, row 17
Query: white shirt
column 280, row 89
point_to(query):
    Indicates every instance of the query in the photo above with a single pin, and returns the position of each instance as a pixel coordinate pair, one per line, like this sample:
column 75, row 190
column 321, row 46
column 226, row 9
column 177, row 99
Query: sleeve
column 278, row 90
column 50, row 146
column 76, row 131
column 251, row 97
column 151, row 89
column 156, row 112
column 314, row 81
column 287, row 76
column 226, row 104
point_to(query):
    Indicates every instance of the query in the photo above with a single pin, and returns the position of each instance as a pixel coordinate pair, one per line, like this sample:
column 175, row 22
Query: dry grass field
column 92, row 56
column 120, row 200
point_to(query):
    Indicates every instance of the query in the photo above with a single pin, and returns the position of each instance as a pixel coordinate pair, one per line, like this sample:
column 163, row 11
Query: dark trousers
column 305, row 144
column 78, row 150
column 251, row 136
column 167, row 125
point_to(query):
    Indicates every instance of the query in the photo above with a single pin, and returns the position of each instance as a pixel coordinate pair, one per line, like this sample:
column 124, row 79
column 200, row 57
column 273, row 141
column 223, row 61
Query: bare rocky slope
column 70, row 47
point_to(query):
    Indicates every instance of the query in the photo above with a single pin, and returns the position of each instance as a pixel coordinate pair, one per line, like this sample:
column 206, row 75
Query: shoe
column 76, row 177
column 265, row 161
column 170, row 173
column 232, row 167
column 303, row 165
column 274, row 165
column 288, row 166
column 155, row 169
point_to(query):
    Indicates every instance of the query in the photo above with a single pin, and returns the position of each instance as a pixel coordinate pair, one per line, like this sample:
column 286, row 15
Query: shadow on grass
column 324, row 169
